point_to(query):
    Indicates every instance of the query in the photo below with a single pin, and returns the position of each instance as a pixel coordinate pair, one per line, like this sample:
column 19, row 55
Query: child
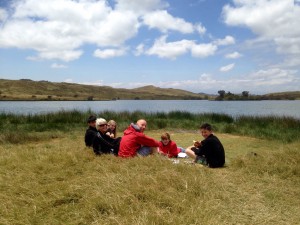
column 112, row 129
column 168, row 147
column 210, row 151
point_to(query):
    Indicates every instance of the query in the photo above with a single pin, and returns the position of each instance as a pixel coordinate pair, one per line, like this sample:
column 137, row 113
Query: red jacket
column 170, row 149
column 132, row 140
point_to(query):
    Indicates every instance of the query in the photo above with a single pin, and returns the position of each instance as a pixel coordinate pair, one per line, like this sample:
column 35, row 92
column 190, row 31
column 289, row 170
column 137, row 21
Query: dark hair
column 206, row 126
column 91, row 118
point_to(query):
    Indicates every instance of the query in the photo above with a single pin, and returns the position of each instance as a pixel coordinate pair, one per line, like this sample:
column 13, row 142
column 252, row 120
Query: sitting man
column 91, row 132
column 103, row 144
column 135, row 142
column 208, row 152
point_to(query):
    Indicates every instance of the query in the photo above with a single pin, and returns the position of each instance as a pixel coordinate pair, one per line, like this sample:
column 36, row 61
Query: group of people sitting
column 102, row 137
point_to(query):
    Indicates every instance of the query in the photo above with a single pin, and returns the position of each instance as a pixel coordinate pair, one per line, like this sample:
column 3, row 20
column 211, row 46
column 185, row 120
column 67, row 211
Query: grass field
column 57, row 180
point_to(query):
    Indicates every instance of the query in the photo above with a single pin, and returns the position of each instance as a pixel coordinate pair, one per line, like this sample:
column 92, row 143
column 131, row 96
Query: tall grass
column 284, row 129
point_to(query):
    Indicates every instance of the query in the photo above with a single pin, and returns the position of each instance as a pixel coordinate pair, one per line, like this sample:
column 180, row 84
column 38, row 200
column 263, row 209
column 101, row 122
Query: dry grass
column 59, row 181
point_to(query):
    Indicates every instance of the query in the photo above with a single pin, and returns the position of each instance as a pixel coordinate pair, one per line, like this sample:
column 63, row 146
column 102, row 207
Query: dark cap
column 91, row 118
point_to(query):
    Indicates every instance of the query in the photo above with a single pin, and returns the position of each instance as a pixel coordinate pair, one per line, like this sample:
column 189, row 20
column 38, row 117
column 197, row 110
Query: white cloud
column 170, row 50
column 200, row 29
column 141, row 6
column 227, row 68
column 273, row 76
column 58, row 66
column 62, row 55
column 275, row 20
column 163, row 21
column 68, row 80
column 139, row 50
column 228, row 40
column 3, row 15
column 203, row 50
column 56, row 29
column 233, row 55
column 109, row 53
column 292, row 61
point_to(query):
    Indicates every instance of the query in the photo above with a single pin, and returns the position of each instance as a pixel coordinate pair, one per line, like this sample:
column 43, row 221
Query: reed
column 285, row 129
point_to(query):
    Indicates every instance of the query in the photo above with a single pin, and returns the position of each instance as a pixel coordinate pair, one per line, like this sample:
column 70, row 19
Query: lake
column 234, row 108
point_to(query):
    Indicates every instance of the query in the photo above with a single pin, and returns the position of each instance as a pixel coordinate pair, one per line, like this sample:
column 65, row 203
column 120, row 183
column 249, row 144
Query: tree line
column 245, row 95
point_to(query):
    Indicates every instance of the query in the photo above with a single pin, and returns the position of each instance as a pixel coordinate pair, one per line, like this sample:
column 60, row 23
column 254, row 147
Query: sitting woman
column 103, row 144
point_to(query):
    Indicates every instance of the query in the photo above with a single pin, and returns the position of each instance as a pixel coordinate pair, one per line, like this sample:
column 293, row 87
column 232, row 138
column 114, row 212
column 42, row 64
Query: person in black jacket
column 210, row 151
column 91, row 132
column 104, row 144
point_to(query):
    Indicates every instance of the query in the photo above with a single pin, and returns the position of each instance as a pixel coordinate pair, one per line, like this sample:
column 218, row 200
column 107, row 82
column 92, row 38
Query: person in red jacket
column 135, row 142
column 168, row 147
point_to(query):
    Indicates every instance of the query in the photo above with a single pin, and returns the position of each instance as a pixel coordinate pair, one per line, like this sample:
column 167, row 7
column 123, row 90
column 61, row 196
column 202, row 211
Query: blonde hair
column 112, row 122
column 99, row 122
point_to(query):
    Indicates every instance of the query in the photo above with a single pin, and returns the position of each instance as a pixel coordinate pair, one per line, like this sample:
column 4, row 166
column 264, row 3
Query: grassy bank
column 58, row 180
column 48, row 176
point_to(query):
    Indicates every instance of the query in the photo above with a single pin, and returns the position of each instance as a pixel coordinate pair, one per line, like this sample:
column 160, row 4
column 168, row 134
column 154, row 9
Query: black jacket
column 90, row 134
column 103, row 144
column 213, row 150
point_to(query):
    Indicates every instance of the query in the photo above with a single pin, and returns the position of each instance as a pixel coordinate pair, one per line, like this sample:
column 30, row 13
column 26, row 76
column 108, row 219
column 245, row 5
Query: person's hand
column 158, row 151
column 197, row 144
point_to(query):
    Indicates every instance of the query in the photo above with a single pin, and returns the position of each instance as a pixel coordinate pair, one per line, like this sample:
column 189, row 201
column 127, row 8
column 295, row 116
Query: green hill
column 26, row 89
column 292, row 95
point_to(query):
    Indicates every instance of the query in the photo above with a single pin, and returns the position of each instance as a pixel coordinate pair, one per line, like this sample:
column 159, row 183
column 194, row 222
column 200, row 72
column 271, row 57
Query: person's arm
column 147, row 141
column 160, row 149
column 97, row 146
column 88, row 138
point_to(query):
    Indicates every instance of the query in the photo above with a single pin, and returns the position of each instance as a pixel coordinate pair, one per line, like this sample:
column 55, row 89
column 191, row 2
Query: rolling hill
column 26, row 89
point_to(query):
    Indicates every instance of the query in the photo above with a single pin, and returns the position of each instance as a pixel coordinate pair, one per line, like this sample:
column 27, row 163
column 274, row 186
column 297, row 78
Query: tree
column 221, row 93
column 245, row 94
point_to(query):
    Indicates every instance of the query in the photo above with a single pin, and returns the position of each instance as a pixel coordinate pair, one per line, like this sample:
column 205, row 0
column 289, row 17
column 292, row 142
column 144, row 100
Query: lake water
column 234, row 108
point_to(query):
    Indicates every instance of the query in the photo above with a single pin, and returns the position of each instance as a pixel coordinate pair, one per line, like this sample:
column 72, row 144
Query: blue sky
column 194, row 45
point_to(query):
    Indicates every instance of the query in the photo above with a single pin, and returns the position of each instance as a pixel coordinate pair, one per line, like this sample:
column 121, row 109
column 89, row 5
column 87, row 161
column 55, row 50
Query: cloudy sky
column 195, row 45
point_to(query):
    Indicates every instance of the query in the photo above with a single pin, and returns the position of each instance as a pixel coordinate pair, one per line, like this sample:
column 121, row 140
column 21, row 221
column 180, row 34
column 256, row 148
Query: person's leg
column 181, row 149
column 190, row 152
column 201, row 160
column 144, row 151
